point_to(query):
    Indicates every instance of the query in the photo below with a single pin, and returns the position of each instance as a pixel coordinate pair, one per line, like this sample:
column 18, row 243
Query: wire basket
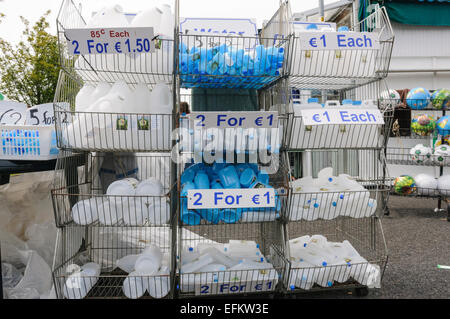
column 365, row 169
column 107, row 132
column 268, row 240
column 148, row 68
column 365, row 235
column 81, row 183
column 108, row 248
column 276, row 172
column 337, row 69
column 235, row 62
column 413, row 156
column 299, row 136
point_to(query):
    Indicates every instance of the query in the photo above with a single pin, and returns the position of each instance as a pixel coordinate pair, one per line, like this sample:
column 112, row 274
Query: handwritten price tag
column 12, row 113
column 41, row 115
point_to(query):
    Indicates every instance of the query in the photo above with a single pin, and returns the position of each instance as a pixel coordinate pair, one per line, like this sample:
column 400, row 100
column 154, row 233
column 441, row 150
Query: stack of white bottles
column 128, row 200
column 209, row 263
column 148, row 271
column 81, row 281
column 92, row 66
column 315, row 260
column 328, row 197
column 146, row 117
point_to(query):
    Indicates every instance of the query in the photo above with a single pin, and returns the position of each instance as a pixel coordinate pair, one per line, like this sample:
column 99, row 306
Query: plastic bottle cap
column 357, row 102
column 324, row 264
column 329, row 284
column 191, row 249
column 330, row 179
column 347, row 101
column 304, row 245
column 313, row 100
column 334, row 204
column 341, row 196
column 316, row 205
column 292, row 287
column 312, row 26
column 343, row 29
column 262, row 259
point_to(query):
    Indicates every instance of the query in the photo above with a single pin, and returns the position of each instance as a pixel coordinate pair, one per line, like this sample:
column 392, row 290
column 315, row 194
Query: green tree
column 29, row 71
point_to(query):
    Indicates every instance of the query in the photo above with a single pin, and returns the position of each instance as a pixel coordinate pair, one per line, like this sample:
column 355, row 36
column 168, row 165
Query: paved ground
column 418, row 239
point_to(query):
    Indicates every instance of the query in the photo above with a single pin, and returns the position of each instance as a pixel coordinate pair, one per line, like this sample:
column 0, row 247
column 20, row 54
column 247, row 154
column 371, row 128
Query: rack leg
column 4, row 179
column 448, row 212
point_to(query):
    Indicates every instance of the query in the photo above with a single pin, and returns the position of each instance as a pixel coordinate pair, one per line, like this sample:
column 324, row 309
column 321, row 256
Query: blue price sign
column 339, row 41
column 110, row 41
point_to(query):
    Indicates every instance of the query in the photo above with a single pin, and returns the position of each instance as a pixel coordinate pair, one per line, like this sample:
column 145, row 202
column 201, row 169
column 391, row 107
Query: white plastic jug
column 166, row 26
column 161, row 122
column 83, row 98
column 135, row 285
column 149, row 261
column 148, row 18
column 100, row 91
column 197, row 264
column 142, row 99
column 85, row 211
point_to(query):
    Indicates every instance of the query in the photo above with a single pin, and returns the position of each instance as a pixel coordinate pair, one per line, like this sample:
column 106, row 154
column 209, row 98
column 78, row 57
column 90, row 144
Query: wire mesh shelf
column 148, row 68
column 99, row 262
column 415, row 156
column 105, row 131
column 365, row 235
column 82, row 195
column 210, row 61
column 354, row 185
column 336, row 68
column 262, row 275
column 299, row 136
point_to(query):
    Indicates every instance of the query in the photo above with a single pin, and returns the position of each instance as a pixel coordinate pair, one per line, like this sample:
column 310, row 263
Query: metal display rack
column 402, row 155
column 270, row 64
column 355, row 150
column 96, row 151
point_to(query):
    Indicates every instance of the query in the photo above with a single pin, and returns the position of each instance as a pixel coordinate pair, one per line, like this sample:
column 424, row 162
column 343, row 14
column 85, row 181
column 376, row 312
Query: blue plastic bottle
column 190, row 217
column 229, row 177
column 201, row 180
column 230, row 216
column 247, row 178
column 211, row 215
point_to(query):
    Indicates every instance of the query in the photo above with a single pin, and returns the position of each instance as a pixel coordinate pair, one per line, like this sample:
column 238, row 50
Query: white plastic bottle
column 161, row 120
column 148, row 18
column 100, row 91
column 83, row 98
column 159, row 286
column 149, row 261
column 142, row 99
column 135, row 285
column 166, row 26
column 85, row 211
column 197, row 264
column 78, row 284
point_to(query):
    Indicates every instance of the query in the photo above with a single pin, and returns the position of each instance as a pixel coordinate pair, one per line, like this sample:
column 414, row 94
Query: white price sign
column 41, row 115
column 342, row 116
column 211, row 27
column 220, row 288
column 12, row 113
column 110, row 41
column 339, row 41
column 234, row 119
column 231, row 198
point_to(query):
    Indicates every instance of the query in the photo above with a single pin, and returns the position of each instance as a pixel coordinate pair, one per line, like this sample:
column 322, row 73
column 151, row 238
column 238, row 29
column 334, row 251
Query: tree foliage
column 29, row 71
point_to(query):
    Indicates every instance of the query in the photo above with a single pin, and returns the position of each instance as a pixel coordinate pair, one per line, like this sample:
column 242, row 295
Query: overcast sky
column 11, row 28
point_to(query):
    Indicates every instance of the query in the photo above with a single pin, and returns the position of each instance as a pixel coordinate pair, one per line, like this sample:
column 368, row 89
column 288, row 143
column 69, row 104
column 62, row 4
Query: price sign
column 206, row 29
column 231, row 198
column 342, row 116
column 234, row 119
column 339, row 41
column 240, row 286
column 41, row 115
column 12, row 113
column 110, row 41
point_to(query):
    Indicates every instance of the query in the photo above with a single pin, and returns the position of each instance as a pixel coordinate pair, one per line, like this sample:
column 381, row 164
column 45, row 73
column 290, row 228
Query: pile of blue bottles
column 223, row 176
column 229, row 63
